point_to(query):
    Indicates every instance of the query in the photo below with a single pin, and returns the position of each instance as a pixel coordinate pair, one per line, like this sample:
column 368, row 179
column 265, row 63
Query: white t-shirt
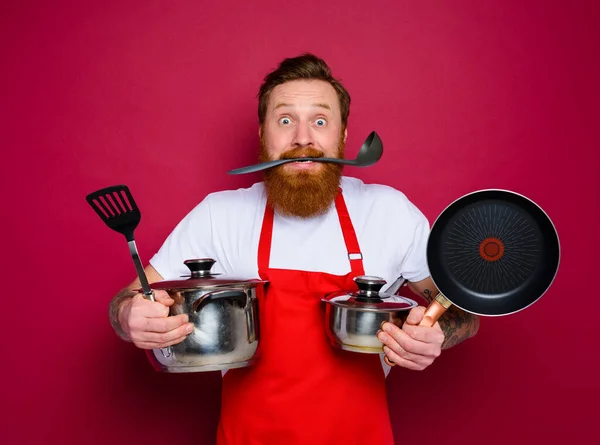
column 392, row 234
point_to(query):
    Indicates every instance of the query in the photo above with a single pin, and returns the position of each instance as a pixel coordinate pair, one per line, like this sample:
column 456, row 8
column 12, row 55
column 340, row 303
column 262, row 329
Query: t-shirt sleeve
column 191, row 238
column 414, row 265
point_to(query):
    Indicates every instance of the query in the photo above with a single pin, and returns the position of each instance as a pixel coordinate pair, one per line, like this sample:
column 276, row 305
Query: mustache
column 302, row 152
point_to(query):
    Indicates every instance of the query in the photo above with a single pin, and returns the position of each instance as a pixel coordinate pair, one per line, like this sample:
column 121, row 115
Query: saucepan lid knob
column 200, row 267
column 369, row 286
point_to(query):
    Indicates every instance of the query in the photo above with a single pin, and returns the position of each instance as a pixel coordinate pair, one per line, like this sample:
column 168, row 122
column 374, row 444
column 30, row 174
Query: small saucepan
column 352, row 319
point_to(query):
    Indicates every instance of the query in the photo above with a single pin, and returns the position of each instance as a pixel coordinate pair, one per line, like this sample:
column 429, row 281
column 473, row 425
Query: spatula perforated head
column 116, row 207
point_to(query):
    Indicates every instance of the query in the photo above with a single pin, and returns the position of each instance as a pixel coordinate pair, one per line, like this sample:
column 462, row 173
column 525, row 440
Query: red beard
column 302, row 194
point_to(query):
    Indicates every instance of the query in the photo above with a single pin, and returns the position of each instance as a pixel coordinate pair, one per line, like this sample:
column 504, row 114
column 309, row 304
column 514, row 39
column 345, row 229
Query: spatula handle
column 140, row 270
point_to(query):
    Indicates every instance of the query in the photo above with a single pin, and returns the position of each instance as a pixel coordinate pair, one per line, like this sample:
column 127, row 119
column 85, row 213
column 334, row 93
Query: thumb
column 163, row 297
column 415, row 315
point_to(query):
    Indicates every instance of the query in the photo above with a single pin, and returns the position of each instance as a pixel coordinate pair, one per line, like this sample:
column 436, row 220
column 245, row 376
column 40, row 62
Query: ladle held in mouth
column 370, row 152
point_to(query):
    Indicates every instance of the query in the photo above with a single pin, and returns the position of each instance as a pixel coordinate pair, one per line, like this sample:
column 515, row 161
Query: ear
column 345, row 134
column 259, row 131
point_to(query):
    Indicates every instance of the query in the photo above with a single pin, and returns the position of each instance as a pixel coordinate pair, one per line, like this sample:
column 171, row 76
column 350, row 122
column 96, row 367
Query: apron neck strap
column 352, row 247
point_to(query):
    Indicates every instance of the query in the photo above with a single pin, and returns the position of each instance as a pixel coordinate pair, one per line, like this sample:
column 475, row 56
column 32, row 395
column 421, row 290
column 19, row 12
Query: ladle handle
column 435, row 310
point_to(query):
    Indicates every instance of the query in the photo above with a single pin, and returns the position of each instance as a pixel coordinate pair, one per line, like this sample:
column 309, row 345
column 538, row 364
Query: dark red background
column 161, row 96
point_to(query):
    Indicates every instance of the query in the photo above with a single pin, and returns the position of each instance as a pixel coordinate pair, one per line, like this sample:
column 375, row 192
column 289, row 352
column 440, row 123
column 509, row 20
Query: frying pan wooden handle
column 435, row 310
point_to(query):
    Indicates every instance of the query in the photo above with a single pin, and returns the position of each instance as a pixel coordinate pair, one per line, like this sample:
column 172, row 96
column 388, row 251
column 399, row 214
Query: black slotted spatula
column 117, row 208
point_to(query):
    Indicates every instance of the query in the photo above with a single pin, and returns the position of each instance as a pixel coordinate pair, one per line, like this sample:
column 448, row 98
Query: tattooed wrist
column 458, row 326
column 113, row 311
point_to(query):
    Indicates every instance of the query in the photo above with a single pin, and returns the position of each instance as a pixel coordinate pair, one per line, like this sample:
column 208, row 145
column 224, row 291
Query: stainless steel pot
column 354, row 318
column 224, row 311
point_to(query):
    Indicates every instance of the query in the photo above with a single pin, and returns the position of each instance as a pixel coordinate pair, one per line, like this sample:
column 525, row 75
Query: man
column 302, row 391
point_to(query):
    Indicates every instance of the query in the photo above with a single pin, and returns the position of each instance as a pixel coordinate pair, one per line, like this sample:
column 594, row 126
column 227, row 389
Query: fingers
column 413, row 347
column 401, row 361
column 433, row 335
column 160, row 325
column 149, row 324
column 415, row 315
column 163, row 297
column 150, row 340
column 142, row 307
column 407, row 349
column 144, row 345
column 401, row 341
column 387, row 360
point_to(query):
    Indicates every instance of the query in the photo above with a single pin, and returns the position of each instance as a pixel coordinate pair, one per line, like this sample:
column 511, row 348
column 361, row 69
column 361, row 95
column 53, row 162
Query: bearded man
column 309, row 231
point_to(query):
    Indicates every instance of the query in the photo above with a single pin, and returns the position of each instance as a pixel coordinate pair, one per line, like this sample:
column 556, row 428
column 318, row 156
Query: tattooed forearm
column 457, row 324
column 426, row 294
column 113, row 311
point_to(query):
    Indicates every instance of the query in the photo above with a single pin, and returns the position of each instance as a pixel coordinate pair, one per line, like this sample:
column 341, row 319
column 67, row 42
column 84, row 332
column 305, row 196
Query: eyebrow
column 317, row 105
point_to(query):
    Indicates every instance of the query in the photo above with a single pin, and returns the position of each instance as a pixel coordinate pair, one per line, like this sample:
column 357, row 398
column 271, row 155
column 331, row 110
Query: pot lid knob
column 369, row 286
column 200, row 267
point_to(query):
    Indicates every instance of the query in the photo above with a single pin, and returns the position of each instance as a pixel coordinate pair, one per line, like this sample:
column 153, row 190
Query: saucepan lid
column 202, row 277
column 369, row 297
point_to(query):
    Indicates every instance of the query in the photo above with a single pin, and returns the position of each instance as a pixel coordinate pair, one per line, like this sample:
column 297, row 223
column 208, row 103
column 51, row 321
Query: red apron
column 302, row 391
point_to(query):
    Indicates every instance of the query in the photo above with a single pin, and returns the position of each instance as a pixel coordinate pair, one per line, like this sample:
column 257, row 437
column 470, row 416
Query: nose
column 303, row 136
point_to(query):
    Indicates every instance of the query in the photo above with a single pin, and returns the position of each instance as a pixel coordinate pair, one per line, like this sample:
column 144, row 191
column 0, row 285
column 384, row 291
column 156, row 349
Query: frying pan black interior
column 493, row 252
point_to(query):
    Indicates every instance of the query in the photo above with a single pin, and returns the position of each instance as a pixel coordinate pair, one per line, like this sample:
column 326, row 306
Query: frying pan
column 491, row 253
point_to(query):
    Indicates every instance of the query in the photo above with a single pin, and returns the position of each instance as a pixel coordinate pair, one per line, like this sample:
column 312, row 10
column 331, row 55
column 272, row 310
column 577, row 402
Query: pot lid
column 201, row 277
column 368, row 297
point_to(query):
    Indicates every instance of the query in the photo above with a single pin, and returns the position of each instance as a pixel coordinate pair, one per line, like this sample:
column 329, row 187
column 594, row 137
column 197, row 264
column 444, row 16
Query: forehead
column 304, row 93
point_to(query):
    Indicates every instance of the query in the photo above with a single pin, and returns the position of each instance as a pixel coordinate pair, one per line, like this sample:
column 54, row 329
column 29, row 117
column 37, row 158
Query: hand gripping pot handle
column 244, row 299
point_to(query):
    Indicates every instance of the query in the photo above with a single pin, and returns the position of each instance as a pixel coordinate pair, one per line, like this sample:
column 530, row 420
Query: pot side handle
column 251, row 319
column 245, row 301
column 235, row 294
